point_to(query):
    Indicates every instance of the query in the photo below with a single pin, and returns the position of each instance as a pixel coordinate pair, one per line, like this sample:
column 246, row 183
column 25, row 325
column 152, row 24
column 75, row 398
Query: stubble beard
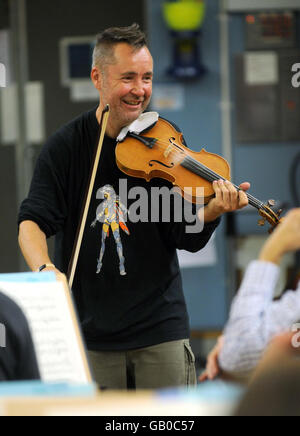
column 126, row 120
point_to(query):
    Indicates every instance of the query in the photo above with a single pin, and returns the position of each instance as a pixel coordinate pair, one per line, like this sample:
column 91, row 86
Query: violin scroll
column 269, row 215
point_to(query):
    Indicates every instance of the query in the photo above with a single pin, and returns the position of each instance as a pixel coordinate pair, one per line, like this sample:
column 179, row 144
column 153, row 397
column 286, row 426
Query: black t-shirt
column 17, row 354
column 117, row 312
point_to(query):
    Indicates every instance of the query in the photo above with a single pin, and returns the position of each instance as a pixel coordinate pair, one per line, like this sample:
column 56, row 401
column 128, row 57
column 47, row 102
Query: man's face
column 126, row 85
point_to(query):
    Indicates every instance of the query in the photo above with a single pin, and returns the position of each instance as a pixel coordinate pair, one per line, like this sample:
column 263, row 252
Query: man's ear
column 96, row 77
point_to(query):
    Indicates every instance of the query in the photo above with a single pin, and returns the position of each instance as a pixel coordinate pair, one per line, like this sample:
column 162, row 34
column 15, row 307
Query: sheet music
column 46, row 308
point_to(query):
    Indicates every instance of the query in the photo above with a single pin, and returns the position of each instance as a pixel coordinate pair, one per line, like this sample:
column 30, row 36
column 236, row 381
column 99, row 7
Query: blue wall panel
column 265, row 165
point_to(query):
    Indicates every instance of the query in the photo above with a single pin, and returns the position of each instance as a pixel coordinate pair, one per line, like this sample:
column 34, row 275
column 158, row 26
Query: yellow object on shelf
column 184, row 15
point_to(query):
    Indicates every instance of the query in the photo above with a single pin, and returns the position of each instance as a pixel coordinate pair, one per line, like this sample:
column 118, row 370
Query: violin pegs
column 279, row 212
column 271, row 203
column 261, row 222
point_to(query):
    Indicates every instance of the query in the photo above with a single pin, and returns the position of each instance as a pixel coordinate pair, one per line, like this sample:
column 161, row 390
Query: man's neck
column 111, row 130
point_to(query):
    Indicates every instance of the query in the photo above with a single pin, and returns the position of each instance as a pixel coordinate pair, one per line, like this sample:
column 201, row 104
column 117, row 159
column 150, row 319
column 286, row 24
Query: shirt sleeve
column 46, row 203
column 255, row 319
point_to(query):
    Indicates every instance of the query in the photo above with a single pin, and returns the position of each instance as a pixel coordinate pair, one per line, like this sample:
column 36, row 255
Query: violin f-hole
column 152, row 162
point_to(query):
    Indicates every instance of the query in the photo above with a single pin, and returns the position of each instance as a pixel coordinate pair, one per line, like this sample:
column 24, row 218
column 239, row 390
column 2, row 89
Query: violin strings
column 205, row 172
column 211, row 176
column 202, row 170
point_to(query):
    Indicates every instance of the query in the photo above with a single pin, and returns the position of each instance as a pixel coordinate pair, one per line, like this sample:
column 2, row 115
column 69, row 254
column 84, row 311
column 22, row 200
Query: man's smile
column 133, row 103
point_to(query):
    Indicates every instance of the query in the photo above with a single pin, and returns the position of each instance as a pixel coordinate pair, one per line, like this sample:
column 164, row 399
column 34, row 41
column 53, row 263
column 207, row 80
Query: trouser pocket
column 190, row 370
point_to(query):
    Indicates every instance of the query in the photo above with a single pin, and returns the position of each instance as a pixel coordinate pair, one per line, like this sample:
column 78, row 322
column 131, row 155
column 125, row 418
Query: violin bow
column 77, row 245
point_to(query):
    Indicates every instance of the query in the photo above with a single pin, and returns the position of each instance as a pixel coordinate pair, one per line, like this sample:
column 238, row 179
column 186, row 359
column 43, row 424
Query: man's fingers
column 233, row 194
column 225, row 192
column 245, row 186
column 243, row 199
column 217, row 189
column 227, row 197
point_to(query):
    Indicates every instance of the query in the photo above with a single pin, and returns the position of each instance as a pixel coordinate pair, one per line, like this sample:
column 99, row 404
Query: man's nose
column 138, row 89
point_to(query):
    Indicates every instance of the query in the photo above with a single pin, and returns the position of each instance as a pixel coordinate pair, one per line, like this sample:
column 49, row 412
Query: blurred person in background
column 274, row 389
column 255, row 318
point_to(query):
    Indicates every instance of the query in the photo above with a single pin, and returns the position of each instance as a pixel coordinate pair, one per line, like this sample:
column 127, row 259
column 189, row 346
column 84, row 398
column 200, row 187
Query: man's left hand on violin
column 227, row 199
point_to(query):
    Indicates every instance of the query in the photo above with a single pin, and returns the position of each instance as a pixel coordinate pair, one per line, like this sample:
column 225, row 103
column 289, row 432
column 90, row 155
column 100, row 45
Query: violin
column 160, row 153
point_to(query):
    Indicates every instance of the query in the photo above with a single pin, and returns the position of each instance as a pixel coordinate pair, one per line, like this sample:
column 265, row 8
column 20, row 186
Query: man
column 17, row 355
column 135, row 322
column 256, row 319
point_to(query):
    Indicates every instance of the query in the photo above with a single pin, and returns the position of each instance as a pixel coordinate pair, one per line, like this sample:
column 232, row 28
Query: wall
column 8, row 235
column 48, row 22
column 8, row 226
column 266, row 165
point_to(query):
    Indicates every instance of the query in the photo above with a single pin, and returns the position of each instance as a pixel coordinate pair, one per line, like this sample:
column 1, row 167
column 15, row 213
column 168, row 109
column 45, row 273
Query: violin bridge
column 168, row 151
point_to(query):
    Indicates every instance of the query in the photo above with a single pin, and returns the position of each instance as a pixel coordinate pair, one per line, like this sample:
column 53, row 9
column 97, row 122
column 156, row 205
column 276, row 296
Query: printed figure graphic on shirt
column 110, row 213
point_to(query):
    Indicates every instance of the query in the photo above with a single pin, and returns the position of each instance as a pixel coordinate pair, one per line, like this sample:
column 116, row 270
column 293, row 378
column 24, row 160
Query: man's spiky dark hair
column 106, row 40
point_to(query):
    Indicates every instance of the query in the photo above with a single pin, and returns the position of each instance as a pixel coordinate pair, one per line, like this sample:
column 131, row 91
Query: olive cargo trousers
column 170, row 364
